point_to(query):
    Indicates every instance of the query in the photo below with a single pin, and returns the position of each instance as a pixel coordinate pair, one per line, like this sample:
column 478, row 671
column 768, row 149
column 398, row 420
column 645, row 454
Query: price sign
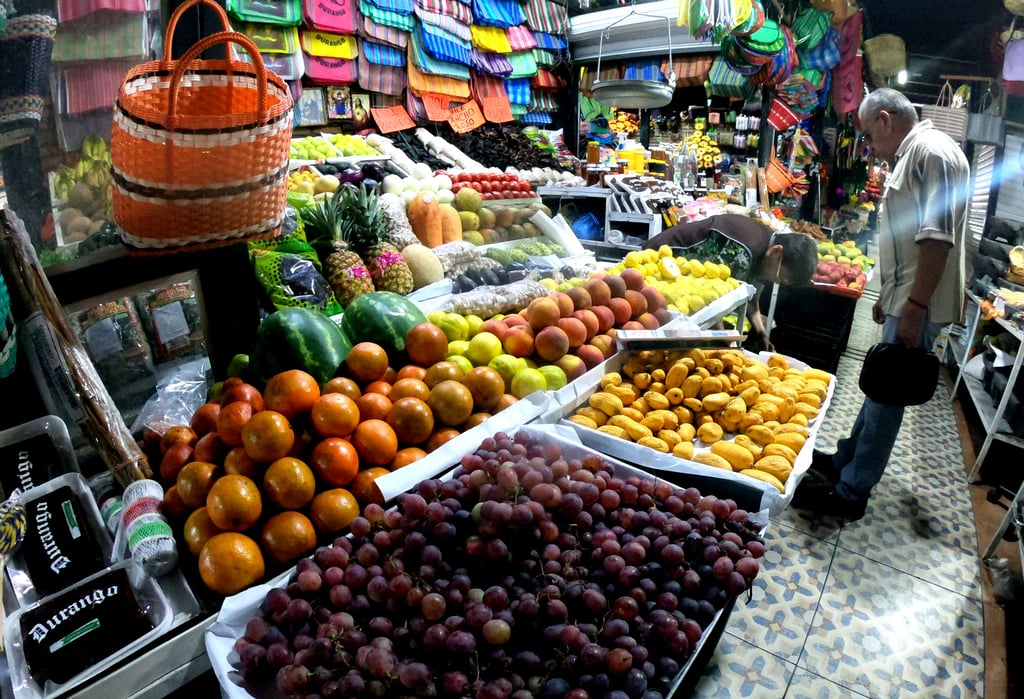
column 436, row 107
column 466, row 118
column 390, row 119
column 497, row 110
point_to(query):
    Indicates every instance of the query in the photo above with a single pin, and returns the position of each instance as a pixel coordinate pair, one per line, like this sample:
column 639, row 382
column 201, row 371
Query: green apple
column 238, row 365
column 553, row 376
column 483, row 348
column 458, row 347
column 474, row 324
column 460, row 361
column 526, row 381
column 454, row 326
column 508, row 366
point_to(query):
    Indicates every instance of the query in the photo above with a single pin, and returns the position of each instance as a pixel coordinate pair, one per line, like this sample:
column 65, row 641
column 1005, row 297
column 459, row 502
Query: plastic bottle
column 750, row 183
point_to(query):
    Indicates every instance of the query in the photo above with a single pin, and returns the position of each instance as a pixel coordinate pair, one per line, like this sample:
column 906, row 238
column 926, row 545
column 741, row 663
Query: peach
column 600, row 294
column 574, row 329
column 605, row 343
column 634, row 279
column 543, row 312
column 573, row 366
column 637, row 303
column 605, row 318
column 648, row 321
column 497, row 328
column 633, row 325
column 580, row 298
column 616, row 285
column 519, row 341
column 551, row 343
column 513, row 320
column 655, row 299
column 622, row 310
column 663, row 315
column 590, row 320
column 590, row 355
column 565, row 304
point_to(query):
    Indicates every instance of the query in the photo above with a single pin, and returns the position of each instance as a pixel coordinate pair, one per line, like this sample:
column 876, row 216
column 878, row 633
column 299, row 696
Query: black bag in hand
column 894, row 374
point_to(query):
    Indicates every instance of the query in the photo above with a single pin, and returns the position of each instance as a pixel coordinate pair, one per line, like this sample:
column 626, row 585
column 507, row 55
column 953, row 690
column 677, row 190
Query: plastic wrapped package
column 457, row 254
column 399, row 231
column 292, row 279
column 73, row 635
column 112, row 334
column 172, row 314
column 486, row 301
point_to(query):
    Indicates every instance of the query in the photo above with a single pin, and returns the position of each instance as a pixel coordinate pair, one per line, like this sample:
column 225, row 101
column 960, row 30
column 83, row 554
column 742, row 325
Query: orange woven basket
column 777, row 177
column 200, row 149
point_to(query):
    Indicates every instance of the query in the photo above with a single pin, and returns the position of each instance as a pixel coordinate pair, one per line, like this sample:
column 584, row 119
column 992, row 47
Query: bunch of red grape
column 524, row 575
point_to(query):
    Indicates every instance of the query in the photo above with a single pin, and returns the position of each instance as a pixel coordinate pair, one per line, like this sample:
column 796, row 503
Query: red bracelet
column 915, row 302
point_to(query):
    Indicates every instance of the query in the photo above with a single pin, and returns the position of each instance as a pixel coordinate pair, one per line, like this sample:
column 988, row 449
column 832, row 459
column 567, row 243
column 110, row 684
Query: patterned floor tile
column 741, row 669
column 807, row 685
column 785, row 593
column 887, row 634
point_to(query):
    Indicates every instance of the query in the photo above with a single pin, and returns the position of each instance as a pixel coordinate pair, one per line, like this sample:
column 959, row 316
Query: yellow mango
column 748, row 444
column 691, row 386
column 593, row 414
column 686, row 431
column 779, row 449
column 606, row 403
column 684, row 450
column 654, row 443
column 584, row 421
column 792, row 440
column 760, row 434
column 775, row 465
column 709, row 432
column 614, row 431
column 715, row 401
column 765, row 477
column 710, row 459
column 738, row 457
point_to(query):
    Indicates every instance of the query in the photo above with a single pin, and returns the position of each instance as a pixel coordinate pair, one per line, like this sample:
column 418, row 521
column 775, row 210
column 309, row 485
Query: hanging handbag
column 948, row 119
column 986, row 127
column 199, row 148
column 894, row 374
column 723, row 81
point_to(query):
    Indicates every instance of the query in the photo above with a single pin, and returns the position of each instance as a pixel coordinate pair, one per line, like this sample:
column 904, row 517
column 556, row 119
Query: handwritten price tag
column 497, row 110
column 391, row 119
column 436, row 107
column 466, row 118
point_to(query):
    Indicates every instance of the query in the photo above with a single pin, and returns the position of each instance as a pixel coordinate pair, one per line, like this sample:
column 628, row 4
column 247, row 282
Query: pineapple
column 344, row 269
column 367, row 237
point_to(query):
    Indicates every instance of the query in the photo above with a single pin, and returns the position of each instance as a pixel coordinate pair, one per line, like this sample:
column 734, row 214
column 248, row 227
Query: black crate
column 819, row 350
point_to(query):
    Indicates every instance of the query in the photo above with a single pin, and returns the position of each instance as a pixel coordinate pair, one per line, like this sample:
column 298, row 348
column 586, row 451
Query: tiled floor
column 889, row 606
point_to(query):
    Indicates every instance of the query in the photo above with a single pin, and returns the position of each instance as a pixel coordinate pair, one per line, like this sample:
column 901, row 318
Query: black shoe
column 825, row 465
column 819, row 496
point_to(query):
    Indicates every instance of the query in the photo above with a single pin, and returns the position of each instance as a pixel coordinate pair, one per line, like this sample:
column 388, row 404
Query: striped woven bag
column 200, row 148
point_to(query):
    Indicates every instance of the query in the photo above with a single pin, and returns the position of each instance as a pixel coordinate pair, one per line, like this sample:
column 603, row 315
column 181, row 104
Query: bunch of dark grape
column 524, row 575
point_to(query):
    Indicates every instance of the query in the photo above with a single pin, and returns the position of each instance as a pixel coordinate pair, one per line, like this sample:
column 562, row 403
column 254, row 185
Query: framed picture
column 339, row 102
column 361, row 111
column 311, row 107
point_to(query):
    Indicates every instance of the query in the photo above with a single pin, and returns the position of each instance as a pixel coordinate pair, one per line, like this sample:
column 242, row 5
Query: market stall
column 412, row 313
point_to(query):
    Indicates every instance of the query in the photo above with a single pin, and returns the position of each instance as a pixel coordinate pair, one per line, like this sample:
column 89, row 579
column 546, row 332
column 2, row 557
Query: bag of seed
column 113, row 337
column 172, row 314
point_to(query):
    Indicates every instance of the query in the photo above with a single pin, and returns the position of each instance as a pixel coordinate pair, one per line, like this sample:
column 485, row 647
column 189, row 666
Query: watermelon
column 299, row 338
column 382, row 317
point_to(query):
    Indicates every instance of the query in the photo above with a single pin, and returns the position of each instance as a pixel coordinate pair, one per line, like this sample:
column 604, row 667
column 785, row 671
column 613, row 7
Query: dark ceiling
column 943, row 37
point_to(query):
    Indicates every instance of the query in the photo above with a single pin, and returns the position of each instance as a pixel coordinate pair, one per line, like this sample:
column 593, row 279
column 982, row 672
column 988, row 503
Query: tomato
column 485, row 187
column 524, row 186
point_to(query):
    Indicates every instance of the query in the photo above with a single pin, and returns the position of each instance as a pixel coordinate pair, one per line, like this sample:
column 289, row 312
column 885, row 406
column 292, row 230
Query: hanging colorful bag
column 725, row 82
column 199, row 148
column 337, row 16
column 781, row 116
column 948, row 119
column 825, row 56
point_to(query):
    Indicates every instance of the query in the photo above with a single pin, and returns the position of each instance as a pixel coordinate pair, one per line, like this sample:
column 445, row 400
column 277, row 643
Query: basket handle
column 219, row 38
column 172, row 23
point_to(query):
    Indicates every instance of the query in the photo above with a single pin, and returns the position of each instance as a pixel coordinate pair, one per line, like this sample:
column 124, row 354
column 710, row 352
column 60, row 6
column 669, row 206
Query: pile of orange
column 259, row 477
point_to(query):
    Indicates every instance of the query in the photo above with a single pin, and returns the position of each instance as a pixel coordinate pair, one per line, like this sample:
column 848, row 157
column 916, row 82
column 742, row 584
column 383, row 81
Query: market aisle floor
column 889, row 606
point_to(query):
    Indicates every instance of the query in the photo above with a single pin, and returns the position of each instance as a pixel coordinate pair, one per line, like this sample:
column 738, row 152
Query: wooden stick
column 103, row 424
